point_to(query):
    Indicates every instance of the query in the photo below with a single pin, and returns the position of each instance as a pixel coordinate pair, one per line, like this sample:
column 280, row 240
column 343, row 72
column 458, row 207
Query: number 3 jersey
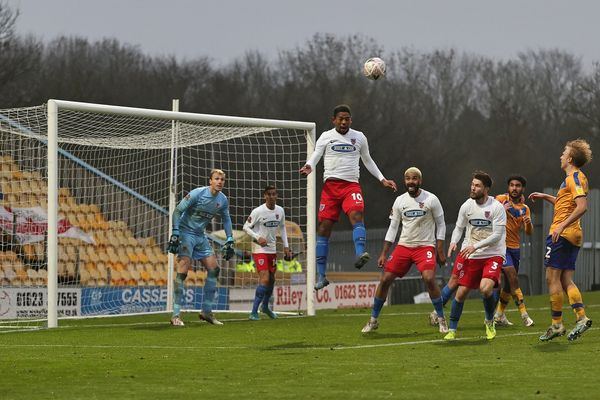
column 486, row 228
column 266, row 223
column 420, row 217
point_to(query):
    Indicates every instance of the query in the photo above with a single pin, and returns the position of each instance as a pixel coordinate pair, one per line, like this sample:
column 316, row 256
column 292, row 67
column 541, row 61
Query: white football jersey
column 417, row 216
column 479, row 221
column 341, row 155
column 266, row 223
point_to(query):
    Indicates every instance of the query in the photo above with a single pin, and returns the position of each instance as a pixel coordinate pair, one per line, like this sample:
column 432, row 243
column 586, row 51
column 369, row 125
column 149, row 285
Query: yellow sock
column 556, row 302
column 576, row 301
column 504, row 299
column 518, row 297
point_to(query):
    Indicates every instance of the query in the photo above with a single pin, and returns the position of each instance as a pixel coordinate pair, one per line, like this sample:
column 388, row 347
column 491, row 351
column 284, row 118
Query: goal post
column 113, row 176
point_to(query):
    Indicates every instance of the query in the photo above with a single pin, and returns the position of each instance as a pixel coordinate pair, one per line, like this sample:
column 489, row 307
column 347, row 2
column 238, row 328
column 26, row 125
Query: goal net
column 86, row 196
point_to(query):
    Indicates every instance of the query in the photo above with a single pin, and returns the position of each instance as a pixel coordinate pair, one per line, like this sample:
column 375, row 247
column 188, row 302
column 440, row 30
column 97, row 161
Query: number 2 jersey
column 486, row 228
column 575, row 185
column 266, row 223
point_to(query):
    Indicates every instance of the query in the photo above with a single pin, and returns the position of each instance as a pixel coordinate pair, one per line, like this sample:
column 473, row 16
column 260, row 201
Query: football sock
column 489, row 305
column 359, row 235
column 504, row 299
column 519, row 301
column 576, row 301
column 210, row 287
column 438, row 304
column 377, row 305
column 447, row 294
column 267, row 297
column 178, row 293
column 556, row 302
column 496, row 295
column 259, row 295
column 455, row 313
column 322, row 250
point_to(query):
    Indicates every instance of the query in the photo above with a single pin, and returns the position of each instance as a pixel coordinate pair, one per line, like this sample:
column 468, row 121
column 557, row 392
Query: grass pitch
column 325, row 357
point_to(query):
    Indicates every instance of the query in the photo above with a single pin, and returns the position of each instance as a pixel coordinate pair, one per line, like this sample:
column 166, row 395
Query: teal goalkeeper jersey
column 198, row 208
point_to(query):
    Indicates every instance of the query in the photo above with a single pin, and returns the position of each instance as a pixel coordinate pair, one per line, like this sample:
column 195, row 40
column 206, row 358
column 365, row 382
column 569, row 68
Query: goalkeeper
column 189, row 241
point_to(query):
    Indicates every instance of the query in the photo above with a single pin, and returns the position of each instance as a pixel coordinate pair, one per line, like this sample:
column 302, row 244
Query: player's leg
column 425, row 260
column 206, row 255
column 387, row 278
column 329, row 213
column 354, row 206
column 270, row 284
column 259, row 294
column 456, row 311
column 448, row 290
column 554, row 261
column 583, row 322
column 183, row 265
column 323, row 234
column 505, row 292
column 490, row 277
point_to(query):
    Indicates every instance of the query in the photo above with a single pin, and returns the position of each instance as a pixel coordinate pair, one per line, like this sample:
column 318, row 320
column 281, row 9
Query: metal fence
column 531, row 271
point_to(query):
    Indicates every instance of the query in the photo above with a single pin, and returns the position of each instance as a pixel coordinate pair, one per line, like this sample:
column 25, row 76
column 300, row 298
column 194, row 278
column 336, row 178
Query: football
column 374, row 68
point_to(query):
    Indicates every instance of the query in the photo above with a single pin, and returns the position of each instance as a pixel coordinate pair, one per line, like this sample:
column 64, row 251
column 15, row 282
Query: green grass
column 319, row 358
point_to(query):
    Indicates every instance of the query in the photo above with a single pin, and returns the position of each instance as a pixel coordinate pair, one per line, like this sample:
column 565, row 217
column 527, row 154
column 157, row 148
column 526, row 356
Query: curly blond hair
column 580, row 151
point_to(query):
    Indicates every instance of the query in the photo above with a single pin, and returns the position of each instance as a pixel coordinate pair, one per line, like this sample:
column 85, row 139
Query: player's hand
column 556, row 233
column 467, row 251
column 307, row 169
column 261, row 241
column 173, row 245
column 389, row 183
column 536, row 195
column 227, row 250
column 451, row 249
column 441, row 258
column 381, row 260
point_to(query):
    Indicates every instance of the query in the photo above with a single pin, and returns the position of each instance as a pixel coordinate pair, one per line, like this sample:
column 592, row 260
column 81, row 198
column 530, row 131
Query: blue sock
column 457, row 309
column 322, row 250
column 438, row 304
column 268, row 294
column 377, row 305
column 259, row 295
column 446, row 294
column 489, row 304
column 359, row 235
column 208, row 293
column 178, row 293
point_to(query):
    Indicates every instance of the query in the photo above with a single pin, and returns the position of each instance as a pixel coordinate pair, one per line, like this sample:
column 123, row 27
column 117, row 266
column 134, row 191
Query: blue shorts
column 513, row 258
column 560, row 255
column 197, row 247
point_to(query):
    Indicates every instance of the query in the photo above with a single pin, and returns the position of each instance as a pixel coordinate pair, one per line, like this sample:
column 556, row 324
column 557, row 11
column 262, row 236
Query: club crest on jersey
column 261, row 261
column 343, row 148
column 249, row 220
column 353, row 141
column 218, row 205
column 276, row 216
column 488, row 214
column 321, row 207
column 421, row 204
column 480, row 222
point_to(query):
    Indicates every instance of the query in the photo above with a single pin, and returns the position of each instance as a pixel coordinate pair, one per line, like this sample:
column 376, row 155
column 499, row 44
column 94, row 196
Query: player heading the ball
column 341, row 148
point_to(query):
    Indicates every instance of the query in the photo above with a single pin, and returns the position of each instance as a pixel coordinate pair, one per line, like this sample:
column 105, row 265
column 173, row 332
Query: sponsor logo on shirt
column 480, row 222
column 271, row 224
column 343, row 148
column 414, row 213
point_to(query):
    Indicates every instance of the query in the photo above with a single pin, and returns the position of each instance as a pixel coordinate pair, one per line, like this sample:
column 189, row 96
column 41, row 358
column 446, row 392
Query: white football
column 374, row 68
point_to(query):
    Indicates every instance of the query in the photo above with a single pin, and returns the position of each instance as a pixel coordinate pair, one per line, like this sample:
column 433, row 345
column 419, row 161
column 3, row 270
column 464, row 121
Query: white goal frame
column 53, row 208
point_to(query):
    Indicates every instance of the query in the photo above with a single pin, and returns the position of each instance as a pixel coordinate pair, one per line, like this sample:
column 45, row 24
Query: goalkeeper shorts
column 197, row 247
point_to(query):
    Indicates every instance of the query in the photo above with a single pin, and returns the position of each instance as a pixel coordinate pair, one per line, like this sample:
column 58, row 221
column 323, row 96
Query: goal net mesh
column 114, row 174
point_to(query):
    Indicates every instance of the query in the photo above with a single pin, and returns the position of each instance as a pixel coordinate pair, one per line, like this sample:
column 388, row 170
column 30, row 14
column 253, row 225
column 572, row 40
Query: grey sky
column 225, row 29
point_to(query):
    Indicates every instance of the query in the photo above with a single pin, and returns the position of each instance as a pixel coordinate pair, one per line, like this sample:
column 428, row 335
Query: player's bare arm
column 441, row 255
column 544, row 196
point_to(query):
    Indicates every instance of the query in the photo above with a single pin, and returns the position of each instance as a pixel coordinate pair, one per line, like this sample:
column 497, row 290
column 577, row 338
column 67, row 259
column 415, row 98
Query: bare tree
column 8, row 18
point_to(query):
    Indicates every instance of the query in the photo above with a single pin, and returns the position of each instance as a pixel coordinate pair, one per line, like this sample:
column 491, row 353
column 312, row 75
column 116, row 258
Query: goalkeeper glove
column 173, row 245
column 227, row 249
